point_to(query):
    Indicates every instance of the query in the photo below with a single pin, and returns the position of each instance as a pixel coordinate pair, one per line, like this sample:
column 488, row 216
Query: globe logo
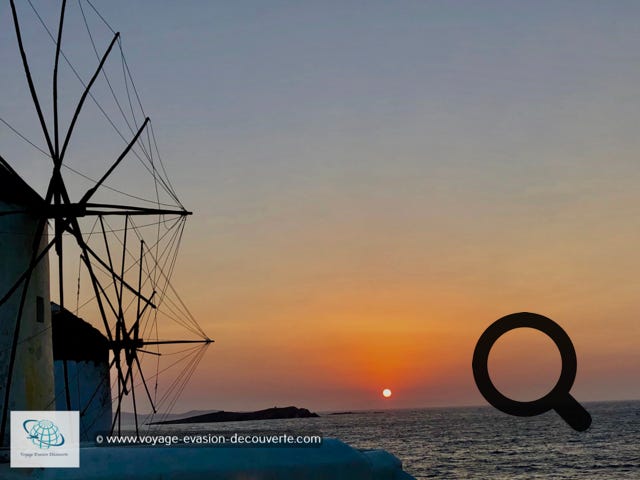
column 43, row 433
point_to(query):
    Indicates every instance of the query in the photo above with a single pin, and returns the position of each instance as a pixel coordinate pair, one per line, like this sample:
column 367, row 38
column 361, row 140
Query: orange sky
column 372, row 189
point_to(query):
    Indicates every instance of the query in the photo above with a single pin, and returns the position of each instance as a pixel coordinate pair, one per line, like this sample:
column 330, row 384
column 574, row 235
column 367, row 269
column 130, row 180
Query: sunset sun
column 386, row 393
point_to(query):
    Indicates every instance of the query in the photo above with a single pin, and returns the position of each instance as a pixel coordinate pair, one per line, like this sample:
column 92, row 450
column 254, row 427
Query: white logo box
column 42, row 438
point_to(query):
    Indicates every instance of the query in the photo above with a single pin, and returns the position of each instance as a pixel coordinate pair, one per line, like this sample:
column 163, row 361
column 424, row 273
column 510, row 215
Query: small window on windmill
column 39, row 309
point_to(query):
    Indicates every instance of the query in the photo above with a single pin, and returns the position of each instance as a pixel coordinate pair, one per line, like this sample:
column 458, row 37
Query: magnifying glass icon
column 559, row 398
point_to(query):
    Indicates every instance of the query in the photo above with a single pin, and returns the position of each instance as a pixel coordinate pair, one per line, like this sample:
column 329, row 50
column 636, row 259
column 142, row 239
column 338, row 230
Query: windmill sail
column 112, row 230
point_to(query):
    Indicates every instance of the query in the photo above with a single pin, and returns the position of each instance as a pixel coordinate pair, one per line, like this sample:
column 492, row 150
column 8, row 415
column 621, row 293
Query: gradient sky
column 374, row 183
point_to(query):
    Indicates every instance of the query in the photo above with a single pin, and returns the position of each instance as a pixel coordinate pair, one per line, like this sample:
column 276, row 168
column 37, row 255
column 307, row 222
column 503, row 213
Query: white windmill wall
column 32, row 386
column 89, row 394
column 86, row 353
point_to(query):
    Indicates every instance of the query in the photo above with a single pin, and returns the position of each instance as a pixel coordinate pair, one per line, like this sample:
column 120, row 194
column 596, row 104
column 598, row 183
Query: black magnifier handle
column 573, row 413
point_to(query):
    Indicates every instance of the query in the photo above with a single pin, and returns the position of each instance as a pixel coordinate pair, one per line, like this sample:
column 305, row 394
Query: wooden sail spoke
column 146, row 387
column 93, row 189
column 83, row 97
column 56, row 135
column 120, row 279
column 32, row 88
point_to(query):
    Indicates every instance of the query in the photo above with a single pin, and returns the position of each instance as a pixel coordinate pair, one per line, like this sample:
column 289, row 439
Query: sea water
column 481, row 442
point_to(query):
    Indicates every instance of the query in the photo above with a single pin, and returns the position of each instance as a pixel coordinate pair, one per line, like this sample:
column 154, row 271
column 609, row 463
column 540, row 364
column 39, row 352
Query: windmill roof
column 75, row 339
column 13, row 189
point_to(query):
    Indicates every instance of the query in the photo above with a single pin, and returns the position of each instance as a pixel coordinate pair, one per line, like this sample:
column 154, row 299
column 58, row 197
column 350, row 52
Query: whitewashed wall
column 32, row 385
column 85, row 379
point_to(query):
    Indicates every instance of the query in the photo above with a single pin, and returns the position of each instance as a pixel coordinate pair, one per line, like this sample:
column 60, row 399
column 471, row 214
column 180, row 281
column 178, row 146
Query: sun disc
column 386, row 393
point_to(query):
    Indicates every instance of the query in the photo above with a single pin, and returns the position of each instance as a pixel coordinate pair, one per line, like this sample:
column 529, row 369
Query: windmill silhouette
column 125, row 287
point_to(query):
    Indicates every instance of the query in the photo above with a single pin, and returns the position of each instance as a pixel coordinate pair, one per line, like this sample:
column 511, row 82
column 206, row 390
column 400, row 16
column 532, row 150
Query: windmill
column 127, row 271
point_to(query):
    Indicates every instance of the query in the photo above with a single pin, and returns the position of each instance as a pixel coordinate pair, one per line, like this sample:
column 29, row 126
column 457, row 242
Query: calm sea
column 482, row 443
